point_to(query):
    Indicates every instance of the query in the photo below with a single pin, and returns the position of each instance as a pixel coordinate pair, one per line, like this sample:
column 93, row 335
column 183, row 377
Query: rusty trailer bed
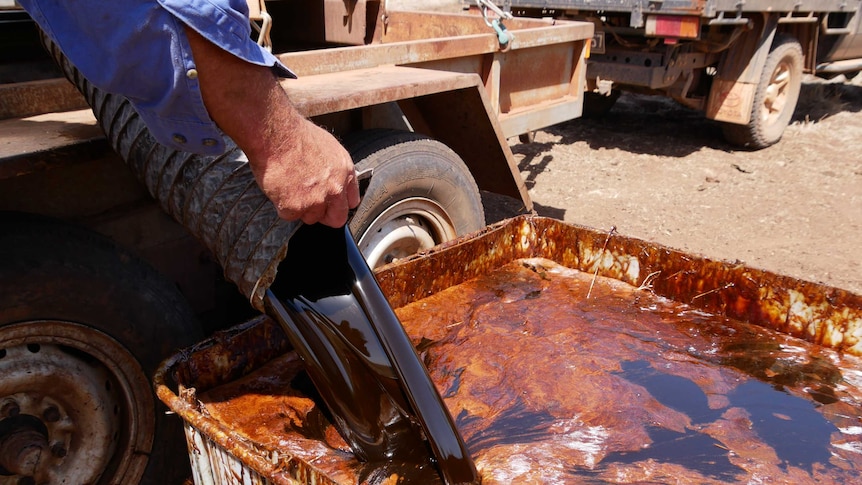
column 566, row 355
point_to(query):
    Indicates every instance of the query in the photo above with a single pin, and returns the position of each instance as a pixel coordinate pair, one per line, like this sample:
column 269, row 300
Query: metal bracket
column 636, row 20
column 257, row 13
column 504, row 37
column 738, row 20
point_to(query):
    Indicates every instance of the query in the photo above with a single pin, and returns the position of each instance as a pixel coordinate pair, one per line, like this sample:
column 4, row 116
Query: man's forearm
column 245, row 100
column 302, row 168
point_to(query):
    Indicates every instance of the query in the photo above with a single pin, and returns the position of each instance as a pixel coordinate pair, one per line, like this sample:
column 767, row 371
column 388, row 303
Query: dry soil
column 663, row 173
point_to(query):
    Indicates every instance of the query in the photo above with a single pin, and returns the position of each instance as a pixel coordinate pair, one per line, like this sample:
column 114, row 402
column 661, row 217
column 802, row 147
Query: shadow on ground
column 657, row 126
column 499, row 207
column 667, row 129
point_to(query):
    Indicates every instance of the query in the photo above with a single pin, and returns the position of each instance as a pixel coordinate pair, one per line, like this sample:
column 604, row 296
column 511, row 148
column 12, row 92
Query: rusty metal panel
column 345, row 21
column 541, row 115
column 786, row 5
column 532, row 76
column 341, row 91
column 435, row 37
column 39, row 142
column 19, row 100
column 451, row 107
column 362, row 57
column 552, row 53
column 401, row 26
column 463, row 121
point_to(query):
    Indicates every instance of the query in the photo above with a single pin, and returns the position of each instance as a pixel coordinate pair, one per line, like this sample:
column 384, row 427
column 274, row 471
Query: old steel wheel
column 409, row 226
column 774, row 99
column 74, row 404
column 82, row 326
column 421, row 194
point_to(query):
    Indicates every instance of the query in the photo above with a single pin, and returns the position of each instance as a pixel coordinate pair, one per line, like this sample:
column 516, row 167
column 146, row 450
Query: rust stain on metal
column 410, row 38
column 19, row 100
column 526, row 362
column 550, row 76
column 340, row 91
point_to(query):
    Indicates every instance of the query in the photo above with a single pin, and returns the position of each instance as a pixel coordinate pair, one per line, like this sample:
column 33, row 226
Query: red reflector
column 672, row 26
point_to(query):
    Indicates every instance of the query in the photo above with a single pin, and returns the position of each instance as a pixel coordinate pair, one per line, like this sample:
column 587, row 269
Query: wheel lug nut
column 51, row 414
column 58, row 450
column 9, row 409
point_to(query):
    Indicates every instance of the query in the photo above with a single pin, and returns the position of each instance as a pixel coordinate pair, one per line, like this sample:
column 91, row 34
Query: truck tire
column 83, row 325
column 421, row 194
column 774, row 99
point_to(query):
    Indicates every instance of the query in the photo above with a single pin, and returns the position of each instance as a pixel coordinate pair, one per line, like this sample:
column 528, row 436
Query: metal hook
column 504, row 37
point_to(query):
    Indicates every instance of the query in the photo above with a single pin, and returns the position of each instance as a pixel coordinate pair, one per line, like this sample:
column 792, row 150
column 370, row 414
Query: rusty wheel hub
column 65, row 413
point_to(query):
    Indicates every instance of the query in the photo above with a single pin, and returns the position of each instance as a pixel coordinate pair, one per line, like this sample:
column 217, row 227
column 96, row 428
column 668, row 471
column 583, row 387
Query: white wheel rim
column 405, row 228
column 777, row 93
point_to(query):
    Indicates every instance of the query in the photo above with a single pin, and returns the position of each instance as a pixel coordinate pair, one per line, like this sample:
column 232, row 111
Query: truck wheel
column 775, row 98
column 82, row 326
column 421, row 195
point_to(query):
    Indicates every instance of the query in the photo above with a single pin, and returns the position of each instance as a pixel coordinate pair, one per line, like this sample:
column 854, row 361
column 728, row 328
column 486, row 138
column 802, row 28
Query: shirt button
column 179, row 138
column 209, row 142
column 192, row 74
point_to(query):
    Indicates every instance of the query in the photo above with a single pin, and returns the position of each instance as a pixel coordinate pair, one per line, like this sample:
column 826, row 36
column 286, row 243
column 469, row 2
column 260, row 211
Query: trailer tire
column 421, row 194
column 775, row 97
column 83, row 324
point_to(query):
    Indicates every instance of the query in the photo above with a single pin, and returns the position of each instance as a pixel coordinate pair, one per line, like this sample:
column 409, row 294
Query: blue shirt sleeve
column 138, row 49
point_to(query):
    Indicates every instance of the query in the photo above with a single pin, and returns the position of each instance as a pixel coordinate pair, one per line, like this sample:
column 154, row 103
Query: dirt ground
column 660, row 172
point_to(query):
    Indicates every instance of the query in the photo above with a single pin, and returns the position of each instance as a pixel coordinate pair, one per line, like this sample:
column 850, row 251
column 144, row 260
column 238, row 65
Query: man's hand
column 302, row 168
column 322, row 188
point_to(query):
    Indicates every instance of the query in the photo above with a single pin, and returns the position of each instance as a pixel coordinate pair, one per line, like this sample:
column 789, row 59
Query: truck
column 116, row 252
column 740, row 62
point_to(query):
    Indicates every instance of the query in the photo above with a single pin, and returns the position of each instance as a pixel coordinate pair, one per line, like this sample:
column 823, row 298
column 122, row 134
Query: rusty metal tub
column 566, row 355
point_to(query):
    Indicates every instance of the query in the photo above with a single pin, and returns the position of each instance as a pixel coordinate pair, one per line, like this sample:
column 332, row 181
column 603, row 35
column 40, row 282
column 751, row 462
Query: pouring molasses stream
column 360, row 359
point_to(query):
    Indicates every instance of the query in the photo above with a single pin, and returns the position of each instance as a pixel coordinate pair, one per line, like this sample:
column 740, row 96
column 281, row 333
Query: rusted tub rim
column 818, row 313
column 183, row 403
